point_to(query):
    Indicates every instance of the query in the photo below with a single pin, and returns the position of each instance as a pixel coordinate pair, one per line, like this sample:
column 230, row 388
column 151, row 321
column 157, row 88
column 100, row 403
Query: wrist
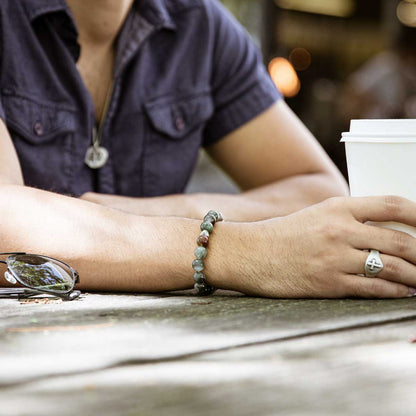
column 233, row 256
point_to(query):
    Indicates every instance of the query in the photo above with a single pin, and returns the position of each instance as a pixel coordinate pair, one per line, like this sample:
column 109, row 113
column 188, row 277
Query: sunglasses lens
column 40, row 272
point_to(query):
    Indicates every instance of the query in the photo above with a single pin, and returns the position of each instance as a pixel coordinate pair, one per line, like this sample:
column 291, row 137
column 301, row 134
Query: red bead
column 202, row 240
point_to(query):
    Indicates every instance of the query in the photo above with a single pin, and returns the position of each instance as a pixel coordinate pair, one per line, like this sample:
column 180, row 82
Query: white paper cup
column 381, row 160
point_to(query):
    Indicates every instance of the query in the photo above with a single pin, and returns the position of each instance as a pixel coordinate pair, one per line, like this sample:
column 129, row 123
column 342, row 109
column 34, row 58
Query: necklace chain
column 97, row 156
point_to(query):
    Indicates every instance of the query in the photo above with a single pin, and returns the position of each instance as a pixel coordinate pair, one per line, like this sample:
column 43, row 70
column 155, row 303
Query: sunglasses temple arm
column 25, row 293
column 17, row 292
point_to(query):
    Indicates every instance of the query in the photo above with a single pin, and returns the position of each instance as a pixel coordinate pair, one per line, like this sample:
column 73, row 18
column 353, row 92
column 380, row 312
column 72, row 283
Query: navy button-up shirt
column 185, row 75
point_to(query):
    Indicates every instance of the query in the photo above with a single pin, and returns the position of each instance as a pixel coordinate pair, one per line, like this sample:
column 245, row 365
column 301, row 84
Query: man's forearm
column 110, row 249
column 277, row 199
column 117, row 251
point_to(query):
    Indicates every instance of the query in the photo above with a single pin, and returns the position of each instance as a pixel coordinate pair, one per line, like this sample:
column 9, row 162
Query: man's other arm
column 275, row 160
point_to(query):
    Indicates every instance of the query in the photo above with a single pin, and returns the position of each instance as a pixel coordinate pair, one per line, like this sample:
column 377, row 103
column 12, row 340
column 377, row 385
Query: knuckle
column 354, row 288
column 330, row 233
column 328, row 230
column 393, row 267
column 399, row 291
column 334, row 231
column 374, row 289
column 334, row 203
column 393, row 205
column 400, row 243
column 371, row 289
column 345, row 230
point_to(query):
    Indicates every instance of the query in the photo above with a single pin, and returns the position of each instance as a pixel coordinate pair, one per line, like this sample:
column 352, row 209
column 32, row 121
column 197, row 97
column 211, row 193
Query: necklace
column 97, row 156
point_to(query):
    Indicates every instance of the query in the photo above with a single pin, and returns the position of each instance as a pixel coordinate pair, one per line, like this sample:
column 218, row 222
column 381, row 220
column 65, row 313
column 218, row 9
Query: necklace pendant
column 96, row 157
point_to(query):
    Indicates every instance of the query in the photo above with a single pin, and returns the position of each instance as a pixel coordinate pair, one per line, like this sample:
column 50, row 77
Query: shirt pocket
column 42, row 135
column 174, row 137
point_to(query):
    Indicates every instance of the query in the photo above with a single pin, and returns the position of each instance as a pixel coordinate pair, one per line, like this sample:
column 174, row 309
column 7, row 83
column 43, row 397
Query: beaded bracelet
column 201, row 286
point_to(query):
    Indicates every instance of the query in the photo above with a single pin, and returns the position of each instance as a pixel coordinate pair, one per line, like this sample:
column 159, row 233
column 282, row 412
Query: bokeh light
column 284, row 76
column 406, row 13
column 300, row 58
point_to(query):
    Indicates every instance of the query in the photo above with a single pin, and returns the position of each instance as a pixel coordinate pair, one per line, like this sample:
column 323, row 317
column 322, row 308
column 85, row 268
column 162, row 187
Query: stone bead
column 216, row 214
column 210, row 218
column 204, row 289
column 202, row 241
column 200, row 253
column 199, row 278
column 207, row 226
column 198, row 265
column 201, row 286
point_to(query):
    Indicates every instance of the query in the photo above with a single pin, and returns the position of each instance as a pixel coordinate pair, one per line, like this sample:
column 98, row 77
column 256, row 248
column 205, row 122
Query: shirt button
column 179, row 123
column 38, row 128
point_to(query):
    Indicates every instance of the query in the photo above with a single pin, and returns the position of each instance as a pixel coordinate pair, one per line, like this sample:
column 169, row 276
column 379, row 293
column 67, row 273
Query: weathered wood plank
column 366, row 372
column 108, row 330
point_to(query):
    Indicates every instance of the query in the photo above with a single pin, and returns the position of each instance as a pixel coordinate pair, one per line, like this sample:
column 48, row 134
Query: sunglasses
column 39, row 274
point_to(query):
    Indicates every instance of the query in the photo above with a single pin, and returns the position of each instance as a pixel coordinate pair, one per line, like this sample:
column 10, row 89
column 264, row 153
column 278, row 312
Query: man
column 180, row 74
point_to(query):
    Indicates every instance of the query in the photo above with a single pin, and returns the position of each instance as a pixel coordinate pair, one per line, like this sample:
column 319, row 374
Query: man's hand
column 319, row 252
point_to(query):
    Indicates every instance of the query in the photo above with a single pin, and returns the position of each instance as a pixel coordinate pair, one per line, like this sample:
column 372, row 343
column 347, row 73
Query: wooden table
column 176, row 354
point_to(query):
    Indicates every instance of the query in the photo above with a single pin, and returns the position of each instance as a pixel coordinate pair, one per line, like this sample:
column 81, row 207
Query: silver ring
column 373, row 264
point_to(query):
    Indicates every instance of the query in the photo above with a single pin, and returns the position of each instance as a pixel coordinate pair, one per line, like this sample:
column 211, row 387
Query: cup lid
column 378, row 138
column 384, row 127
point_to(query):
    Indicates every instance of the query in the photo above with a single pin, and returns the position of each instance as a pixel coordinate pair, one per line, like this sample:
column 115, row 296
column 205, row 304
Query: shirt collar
column 154, row 11
column 36, row 8
column 145, row 17
column 60, row 16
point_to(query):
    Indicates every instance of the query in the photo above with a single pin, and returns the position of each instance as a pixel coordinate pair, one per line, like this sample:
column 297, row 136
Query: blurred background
column 333, row 60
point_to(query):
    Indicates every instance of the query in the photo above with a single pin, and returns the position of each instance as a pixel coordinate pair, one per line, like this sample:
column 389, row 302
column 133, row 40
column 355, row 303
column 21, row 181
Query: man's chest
column 153, row 127
column 96, row 70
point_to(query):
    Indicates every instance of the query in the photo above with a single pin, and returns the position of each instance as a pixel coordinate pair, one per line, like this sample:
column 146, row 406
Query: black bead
column 204, row 289
column 199, row 278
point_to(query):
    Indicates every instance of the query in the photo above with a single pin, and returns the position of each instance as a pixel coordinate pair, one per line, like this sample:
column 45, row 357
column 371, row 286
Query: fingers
column 398, row 249
column 394, row 269
column 383, row 208
column 365, row 287
column 391, row 242
column 338, row 255
column 398, row 255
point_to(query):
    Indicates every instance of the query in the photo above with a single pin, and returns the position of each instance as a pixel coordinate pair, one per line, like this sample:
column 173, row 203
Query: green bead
column 210, row 218
column 199, row 278
column 200, row 253
column 204, row 233
column 216, row 214
column 207, row 226
column 198, row 265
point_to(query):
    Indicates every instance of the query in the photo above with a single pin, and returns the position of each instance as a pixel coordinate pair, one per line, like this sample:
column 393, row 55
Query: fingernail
column 412, row 291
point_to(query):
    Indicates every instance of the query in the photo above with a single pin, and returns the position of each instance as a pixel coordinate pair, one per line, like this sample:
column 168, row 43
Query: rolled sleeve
column 241, row 87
